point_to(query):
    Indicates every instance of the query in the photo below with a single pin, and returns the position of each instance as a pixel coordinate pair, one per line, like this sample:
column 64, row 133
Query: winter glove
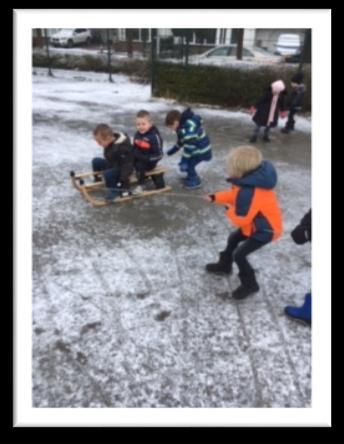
column 299, row 235
column 172, row 150
column 283, row 114
column 302, row 233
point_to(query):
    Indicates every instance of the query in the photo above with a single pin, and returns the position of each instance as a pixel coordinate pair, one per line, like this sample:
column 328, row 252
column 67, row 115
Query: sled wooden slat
column 102, row 202
column 86, row 189
column 155, row 171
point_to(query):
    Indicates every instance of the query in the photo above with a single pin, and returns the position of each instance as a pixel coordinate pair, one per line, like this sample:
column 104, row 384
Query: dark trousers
column 257, row 130
column 141, row 167
column 189, row 166
column 239, row 254
column 290, row 125
column 142, row 164
column 111, row 175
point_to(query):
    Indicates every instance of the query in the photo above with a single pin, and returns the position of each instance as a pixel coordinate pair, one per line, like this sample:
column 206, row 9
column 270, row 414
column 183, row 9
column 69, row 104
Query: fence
column 180, row 62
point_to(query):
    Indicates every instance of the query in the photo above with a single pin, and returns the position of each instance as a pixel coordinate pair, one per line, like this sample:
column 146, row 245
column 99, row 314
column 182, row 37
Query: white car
column 71, row 37
column 227, row 53
column 288, row 44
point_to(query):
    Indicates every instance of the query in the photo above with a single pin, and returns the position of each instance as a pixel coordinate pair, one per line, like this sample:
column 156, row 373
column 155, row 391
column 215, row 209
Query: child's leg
column 266, row 137
column 98, row 164
column 192, row 179
column 291, row 120
column 240, row 254
column 247, row 277
column 255, row 134
column 289, row 126
column 224, row 265
column 140, row 167
column 111, row 177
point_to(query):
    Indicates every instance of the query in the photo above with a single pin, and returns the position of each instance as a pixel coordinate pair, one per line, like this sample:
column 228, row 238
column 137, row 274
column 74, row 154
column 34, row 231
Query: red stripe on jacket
column 142, row 144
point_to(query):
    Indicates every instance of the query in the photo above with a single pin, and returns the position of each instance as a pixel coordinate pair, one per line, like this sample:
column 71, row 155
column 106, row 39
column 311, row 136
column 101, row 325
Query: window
column 219, row 52
column 247, row 53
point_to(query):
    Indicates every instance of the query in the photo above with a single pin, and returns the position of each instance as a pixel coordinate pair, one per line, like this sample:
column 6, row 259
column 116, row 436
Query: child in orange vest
column 252, row 206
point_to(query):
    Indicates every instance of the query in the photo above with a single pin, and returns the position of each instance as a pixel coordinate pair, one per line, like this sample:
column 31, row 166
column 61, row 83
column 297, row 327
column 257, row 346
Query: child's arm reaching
column 221, row 197
column 173, row 150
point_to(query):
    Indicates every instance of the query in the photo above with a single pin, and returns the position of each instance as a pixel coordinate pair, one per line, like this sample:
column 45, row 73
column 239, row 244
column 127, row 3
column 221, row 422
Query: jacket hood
column 119, row 137
column 265, row 176
column 189, row 114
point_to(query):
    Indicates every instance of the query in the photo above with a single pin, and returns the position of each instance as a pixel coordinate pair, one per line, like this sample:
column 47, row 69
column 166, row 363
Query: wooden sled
column 79, row 181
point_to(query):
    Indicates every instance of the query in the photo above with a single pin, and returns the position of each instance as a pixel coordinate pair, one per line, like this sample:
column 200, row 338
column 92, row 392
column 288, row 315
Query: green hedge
column 227, row 87
column 137, row 68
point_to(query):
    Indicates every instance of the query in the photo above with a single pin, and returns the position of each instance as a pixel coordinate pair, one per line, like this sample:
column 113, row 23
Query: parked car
column 71, row 37
column 227, row 53
column 288, row 44
column 294, row 58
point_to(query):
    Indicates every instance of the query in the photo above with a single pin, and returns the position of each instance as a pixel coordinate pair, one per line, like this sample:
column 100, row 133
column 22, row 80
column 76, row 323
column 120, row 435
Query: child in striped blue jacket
column 194, row 141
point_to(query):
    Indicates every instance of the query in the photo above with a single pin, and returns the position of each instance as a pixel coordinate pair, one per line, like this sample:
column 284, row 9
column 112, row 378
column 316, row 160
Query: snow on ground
column 124, row 314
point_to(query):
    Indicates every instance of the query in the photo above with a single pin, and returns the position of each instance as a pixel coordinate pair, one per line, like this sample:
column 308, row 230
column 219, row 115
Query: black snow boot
column 253, row 139
column 247, row 287
column 266, row 137
column 224, row 265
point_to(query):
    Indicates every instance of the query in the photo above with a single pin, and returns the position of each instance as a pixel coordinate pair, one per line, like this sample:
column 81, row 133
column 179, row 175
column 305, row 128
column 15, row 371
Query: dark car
column 294, row 58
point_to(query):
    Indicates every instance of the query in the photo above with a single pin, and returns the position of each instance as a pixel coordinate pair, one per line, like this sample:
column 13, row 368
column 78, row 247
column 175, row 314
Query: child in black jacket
column 147, row 148
column 118, row 162
column 267, row 109
column 296, row 100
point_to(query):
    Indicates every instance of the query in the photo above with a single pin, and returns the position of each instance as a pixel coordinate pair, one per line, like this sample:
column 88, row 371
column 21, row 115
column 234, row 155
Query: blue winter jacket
column 192, row 137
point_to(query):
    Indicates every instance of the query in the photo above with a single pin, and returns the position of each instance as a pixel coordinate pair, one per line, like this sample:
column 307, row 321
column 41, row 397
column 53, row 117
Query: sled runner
column 88, row 190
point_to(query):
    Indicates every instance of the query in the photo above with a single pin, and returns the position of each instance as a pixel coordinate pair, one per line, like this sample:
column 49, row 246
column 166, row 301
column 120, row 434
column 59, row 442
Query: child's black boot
column 247, row 287
column 224, row 265
column 266, row 137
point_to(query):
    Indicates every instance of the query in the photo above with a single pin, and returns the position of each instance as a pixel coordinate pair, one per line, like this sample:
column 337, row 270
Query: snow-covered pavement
column 124, row 314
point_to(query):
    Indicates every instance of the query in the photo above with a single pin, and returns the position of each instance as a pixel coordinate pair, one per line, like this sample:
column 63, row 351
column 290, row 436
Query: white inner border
column 320, row 22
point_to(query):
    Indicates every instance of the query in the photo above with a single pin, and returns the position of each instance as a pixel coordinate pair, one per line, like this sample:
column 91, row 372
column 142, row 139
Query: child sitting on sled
column 147, row 149
column 194, row 141
column 118, row 162
column 253, row 208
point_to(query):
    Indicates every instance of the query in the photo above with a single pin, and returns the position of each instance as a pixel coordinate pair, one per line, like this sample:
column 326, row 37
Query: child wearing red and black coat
column 252, row 207
column 147, row 148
